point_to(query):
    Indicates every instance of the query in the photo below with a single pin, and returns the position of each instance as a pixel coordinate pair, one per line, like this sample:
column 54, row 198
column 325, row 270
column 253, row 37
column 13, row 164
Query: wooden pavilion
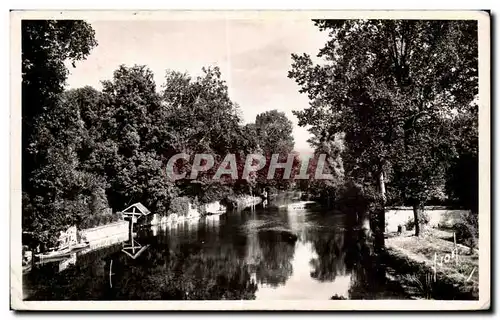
column 135, row 211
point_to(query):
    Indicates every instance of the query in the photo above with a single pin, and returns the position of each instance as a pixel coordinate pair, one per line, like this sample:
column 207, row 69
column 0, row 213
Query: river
column 265, row 253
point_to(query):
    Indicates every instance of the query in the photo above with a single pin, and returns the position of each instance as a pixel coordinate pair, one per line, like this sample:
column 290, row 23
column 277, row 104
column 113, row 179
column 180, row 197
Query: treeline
column 88, row 153
column 397, row 101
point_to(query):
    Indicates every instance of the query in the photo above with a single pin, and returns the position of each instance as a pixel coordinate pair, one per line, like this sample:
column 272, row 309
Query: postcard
column 250, row 160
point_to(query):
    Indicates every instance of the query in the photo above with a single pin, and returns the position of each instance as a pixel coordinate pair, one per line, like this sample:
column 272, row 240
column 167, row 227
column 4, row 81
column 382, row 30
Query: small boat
column 80, row 245
column 54, row 254
column 27, row 268
column 27, row 262
column 64, row 264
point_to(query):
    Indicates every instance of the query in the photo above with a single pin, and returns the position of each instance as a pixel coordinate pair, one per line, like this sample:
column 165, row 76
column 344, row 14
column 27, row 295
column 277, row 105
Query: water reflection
column 64, row 264
column 133, row 248
column 257, row 254
column 269, row 254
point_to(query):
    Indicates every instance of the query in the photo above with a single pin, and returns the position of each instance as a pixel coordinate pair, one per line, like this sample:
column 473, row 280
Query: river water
column 265, row 253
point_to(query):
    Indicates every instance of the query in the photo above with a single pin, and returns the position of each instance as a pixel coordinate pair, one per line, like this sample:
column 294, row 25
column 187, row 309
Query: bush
column 467, row 230
column 423, row 217
column 353, row 196
column 180, row 206
column 99, row 220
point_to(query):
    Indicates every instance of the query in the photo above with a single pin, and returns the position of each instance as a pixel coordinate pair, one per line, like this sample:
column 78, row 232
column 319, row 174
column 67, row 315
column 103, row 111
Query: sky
column 254, row 57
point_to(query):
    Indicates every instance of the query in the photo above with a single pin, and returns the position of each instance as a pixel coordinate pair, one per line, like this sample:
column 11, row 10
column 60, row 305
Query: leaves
column 52, row 133
column 101, row 151
column 393, row 88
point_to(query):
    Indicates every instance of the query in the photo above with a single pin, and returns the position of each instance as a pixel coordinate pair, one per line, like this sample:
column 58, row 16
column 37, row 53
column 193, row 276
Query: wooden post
column 455, row 246
column 251, row 199
column 132, row 222
column 455, row 240
column 435, row 267
column 132, row 230
column 110, row 274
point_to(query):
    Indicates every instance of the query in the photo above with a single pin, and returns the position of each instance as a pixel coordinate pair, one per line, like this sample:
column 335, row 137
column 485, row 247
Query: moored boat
column 80, row 245
column 54, row 254
column 27, row 268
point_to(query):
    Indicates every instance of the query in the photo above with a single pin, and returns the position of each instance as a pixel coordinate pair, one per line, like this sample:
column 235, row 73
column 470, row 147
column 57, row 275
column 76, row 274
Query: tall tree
column 419, row 173
column 136, row 170
column 62, row 191
column 201, row 118
column 463, row 174
column 274, row 131
column 46, row 46
column 331, row 150
column 462, row 184
column 384, row 83
column 274, row 136
column 50, row 132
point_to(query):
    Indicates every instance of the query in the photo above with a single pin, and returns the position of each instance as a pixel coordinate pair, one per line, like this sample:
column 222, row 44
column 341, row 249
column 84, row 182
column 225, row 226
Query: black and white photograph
column 250, row 160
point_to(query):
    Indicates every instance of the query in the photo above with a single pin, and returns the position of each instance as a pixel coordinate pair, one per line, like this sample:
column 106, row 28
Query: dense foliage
column 396, row 90
column 88, row 154
column 51, row 184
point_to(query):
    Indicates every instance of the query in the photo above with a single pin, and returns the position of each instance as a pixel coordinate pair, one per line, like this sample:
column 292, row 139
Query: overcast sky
column 253, row 55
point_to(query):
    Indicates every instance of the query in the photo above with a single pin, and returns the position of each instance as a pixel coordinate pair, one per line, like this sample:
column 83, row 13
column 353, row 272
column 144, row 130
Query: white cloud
column 253, row 55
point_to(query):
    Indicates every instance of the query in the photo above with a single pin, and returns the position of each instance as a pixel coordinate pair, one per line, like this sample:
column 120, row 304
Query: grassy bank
column 428, row 268
column 438, row 217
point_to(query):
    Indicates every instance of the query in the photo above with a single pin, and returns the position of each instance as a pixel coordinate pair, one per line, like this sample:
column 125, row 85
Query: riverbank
column 243, row 201
column 439, row 217
column 429, row 267
column 106, row 235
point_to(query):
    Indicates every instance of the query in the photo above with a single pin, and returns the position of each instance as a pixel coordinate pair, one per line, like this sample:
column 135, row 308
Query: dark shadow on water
column 234, row 258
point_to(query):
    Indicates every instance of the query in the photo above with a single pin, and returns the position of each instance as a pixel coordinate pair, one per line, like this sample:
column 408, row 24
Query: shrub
column 353, row 196
column 99, row 220
column 467, row 230
column 180, row 205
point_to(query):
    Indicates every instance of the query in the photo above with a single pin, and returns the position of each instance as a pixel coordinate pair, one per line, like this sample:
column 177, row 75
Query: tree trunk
column 381, row 181
column 416, row 219
column 378, row 215
column 365, row 225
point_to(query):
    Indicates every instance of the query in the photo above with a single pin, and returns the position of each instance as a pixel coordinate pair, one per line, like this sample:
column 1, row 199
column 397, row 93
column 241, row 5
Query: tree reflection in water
column 275, row 265
column 345, row 250
column 330, row 256
column 192, row 272
column 290, row 255
column 183, row 268
column 270, row 249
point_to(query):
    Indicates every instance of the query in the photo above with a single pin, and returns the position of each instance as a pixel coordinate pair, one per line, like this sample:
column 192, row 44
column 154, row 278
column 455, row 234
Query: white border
column 484, row 164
